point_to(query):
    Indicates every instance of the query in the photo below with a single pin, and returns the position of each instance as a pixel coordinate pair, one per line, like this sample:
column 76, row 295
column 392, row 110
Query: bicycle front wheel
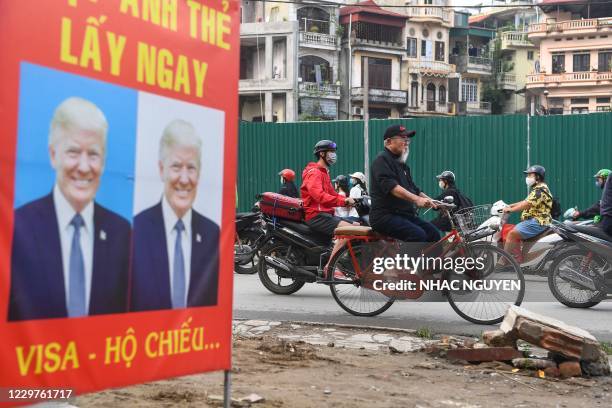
column 483, row 295
column 347, row 288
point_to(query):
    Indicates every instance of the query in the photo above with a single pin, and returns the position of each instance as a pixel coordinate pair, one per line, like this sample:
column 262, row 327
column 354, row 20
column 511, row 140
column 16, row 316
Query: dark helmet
column 324, row 146
column 342, row 181
column 537, row 169
column 447, row 175
column 287, row 174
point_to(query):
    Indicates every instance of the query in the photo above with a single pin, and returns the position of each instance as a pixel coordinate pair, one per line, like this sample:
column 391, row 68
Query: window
column 469, row 89
column 530, row 55
column 580, row 101
column 558, row 63
column 442, row 95
column 411, row 47
column 313, row 19
column 379, row 72
column 603, row 100
column 580, row 110
column 605, row 61
column 603, row 109
column 423, row 48
column 431, row 97
column 582, row 62
column 315, row 69
column 439, row 51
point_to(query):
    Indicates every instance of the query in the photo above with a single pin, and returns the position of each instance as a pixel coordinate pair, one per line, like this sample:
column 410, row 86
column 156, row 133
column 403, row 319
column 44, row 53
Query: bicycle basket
column 469, row 220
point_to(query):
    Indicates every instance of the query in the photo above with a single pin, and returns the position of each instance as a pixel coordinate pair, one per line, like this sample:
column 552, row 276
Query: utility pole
column 366, row 118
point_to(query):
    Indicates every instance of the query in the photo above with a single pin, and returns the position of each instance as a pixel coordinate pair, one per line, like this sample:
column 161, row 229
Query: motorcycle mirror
column 448, row 200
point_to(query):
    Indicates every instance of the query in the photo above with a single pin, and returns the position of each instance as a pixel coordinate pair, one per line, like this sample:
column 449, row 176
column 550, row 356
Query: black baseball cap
column 398, row 130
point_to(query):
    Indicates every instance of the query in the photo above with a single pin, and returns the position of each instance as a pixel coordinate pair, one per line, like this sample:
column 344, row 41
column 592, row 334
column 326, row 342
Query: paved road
column 314, row 303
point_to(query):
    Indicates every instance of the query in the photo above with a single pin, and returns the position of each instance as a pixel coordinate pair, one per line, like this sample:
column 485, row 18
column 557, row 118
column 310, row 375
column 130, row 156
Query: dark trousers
column 408, row 228
column 606, row 224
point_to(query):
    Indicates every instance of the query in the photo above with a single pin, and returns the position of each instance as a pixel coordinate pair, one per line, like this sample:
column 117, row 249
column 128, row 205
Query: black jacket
column 289, row 189
column 606, row 199
column 460, row 200
column 590, row 212
column 387, row 172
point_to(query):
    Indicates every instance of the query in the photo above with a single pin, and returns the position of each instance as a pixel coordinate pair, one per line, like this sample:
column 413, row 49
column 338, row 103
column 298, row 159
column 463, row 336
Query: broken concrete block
column 597, row 368
column 552, row 372
column 484, row 354
column 498, row 338
column 572, row 342
column 570, row 369
column 533, row 363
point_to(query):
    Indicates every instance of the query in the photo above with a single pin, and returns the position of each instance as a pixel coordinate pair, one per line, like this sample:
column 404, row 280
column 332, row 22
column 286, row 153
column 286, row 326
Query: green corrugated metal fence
column 487, row 153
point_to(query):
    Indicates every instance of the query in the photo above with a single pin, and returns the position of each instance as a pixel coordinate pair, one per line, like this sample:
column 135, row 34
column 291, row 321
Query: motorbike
column 581, row 276
column 249, row 236
column 292, row 254
column 537, row 252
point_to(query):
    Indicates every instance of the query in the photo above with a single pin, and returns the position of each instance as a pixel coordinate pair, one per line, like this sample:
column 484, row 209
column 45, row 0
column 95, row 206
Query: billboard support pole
column 227, row 388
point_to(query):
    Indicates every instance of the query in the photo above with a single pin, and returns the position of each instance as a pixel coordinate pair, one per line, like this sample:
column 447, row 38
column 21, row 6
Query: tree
column 493, row 91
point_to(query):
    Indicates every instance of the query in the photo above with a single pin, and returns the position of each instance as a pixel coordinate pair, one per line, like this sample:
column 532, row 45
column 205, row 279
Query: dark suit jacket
column 150, row 288
column 37, row 277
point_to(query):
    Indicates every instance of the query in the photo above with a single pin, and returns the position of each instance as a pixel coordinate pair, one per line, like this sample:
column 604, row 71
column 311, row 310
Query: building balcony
column 381, row 96
column 472, row 65
column 431, row 108
column 474, row 108
column 378, row 46
column 515, row 39
column 570, row 27
column 431, row 67
column 317, row 90
column 318, row 40
column 253, row 85
column 422, row 14
column 592, row 78
column 508, row 82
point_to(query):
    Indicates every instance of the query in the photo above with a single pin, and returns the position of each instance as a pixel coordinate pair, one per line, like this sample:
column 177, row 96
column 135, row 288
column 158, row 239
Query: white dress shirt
column 170, row 220
column 65, row 213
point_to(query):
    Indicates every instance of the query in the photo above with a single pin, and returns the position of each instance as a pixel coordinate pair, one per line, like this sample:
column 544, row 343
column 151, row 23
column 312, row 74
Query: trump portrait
column 175, row 248
column 70, row 255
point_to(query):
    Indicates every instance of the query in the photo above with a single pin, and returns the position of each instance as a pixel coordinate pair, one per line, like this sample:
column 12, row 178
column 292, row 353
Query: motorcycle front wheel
column 269, row 276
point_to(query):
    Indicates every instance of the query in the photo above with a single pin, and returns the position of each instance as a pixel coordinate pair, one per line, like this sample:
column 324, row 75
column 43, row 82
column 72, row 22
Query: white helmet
column 359, row 176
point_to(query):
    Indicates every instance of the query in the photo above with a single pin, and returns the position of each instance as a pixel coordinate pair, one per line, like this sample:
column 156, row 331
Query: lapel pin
column 198, row 238
column 103, row 235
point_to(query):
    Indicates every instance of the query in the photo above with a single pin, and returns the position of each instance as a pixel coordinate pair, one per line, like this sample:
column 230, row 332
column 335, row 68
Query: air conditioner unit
column 357, row 110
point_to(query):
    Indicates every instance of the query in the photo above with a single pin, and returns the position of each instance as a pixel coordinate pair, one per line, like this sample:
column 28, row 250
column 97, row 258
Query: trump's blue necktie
column 178, row 274
column 76, row 272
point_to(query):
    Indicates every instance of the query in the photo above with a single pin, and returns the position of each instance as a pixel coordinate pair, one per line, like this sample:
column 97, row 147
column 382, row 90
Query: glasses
column 403, row 140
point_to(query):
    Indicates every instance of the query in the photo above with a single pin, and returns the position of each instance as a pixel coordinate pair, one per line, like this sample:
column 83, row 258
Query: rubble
column 533, row 363
column 484, row 354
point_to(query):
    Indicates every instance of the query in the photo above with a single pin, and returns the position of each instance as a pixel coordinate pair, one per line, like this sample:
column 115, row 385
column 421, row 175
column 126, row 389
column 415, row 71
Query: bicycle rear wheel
column 347, row 289
column 485, row 294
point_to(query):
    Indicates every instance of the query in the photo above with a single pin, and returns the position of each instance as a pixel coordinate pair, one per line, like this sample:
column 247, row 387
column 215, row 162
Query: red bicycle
column 352, row 281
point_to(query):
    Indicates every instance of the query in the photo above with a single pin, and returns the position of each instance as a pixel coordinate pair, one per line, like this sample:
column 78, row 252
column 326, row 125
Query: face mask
column 441, row 184
column 331, row 158
column 530, row 181
column 351, row 183
column 282, row 180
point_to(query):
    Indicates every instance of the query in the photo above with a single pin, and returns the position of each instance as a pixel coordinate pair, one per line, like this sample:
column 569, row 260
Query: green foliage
column 424, row 333
column 493, row 91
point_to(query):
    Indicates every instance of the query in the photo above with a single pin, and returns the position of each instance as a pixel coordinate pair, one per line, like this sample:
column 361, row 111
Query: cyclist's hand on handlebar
column 434, row 204
column 423, row 202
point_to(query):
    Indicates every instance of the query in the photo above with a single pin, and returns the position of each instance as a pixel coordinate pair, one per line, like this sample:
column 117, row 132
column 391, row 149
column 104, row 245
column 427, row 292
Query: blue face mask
column 599, row 184
column 351, row 183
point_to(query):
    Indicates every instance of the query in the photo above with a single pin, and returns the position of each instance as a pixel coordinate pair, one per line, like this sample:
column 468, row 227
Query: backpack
column 464, row 201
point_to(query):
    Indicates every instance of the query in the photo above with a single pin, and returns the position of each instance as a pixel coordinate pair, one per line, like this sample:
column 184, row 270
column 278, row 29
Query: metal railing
column 478, row 107
column 586, row 24
column 508, row 80
column 569, row 77
column 318, row 39
column 391, row 96
column 486, row 62
column 376, row 43
column 317, row 89
column 314, row 26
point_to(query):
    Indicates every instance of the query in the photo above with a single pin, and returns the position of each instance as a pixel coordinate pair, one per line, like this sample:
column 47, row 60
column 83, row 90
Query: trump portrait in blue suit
column 70, row 255
column 176, row 249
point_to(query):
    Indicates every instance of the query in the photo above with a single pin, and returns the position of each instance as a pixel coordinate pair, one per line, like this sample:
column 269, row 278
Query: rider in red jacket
column 318, row 195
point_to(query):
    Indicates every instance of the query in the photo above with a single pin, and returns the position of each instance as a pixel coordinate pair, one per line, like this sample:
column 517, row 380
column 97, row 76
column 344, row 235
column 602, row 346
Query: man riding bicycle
column 394, row 194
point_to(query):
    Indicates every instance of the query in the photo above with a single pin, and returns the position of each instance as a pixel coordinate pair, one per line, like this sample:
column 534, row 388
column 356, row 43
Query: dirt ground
column 295, row 374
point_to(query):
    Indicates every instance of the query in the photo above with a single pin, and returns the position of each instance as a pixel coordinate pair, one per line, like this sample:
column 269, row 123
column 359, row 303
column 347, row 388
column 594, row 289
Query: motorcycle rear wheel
column 249, row 238
column 556, row 283
column 279, row 250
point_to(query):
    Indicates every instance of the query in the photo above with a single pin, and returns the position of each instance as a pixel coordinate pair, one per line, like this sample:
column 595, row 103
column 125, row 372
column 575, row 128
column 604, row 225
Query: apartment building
column 518, row 56
column 575, row 69
column 289, row 58
column 470, row 53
